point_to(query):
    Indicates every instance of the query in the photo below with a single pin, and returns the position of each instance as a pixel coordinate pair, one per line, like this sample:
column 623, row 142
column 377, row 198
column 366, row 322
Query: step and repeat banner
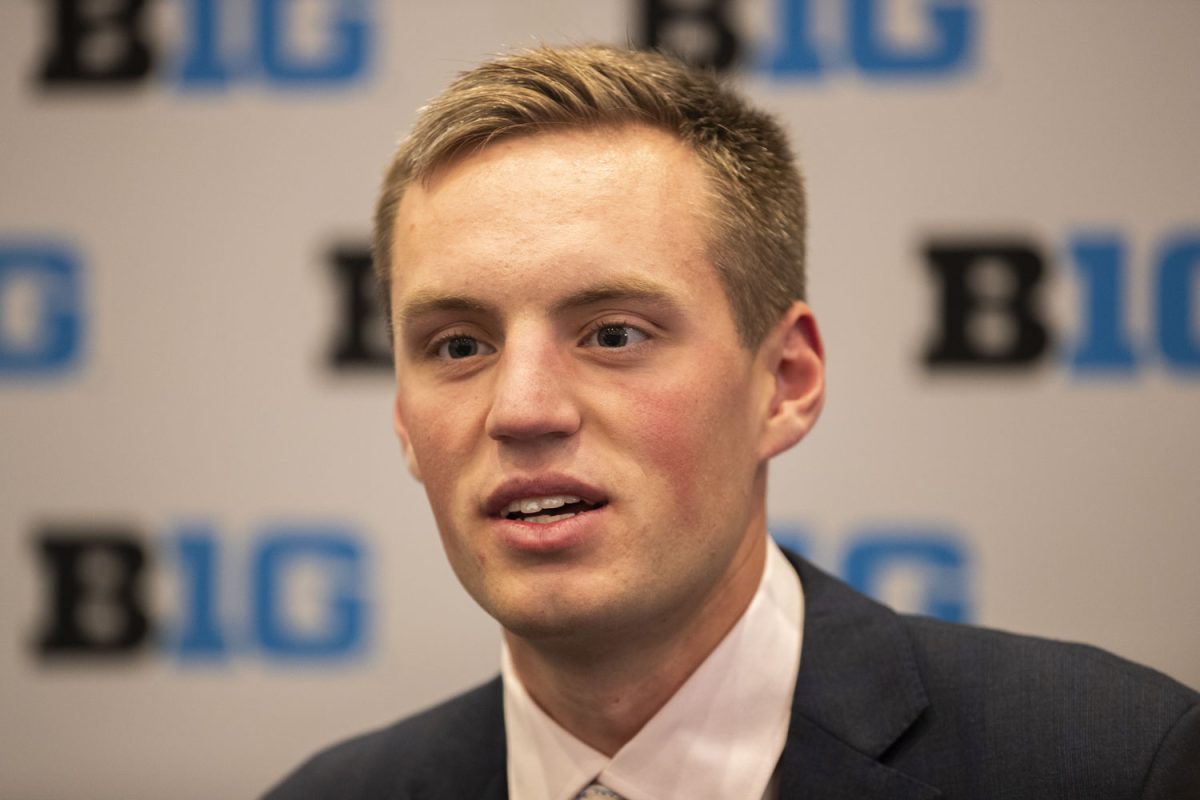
column 212, row 559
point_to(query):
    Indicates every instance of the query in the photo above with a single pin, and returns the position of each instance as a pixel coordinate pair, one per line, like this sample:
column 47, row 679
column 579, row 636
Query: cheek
column 694, row 433
column 437, row 435
column 437, row 439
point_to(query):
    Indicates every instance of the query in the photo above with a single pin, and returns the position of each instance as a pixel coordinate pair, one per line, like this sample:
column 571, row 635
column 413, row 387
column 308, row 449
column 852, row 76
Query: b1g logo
column 914, row 569
column 41, row 308
column 989, row 312
column 292, row 43
column 917, row 39
column 359, row 342
column 298, row 593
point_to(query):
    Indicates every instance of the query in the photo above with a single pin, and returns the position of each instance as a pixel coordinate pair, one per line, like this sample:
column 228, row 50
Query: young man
column 593, row 267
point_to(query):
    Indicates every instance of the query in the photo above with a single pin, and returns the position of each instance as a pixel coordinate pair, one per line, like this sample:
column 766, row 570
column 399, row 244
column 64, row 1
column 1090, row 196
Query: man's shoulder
column 460, row 740
column 972, row 710
column 955, row 659
column 967, row 658
column 1023, row 702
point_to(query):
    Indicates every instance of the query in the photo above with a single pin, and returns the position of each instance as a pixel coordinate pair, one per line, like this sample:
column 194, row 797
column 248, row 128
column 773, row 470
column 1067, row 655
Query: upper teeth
column 532, row 505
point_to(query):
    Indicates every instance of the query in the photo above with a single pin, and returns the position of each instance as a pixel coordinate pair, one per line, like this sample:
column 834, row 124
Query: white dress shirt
column 720, row 736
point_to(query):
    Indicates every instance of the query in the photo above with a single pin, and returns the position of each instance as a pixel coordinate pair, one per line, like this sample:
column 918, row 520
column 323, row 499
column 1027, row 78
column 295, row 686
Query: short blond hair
column 758, row 244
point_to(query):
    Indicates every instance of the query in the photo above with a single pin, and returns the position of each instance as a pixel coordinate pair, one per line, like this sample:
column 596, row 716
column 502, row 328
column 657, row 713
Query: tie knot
column 598, row 792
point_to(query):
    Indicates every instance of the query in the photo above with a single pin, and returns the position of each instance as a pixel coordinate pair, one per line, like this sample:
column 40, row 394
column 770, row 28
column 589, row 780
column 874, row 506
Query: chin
column 564, row 619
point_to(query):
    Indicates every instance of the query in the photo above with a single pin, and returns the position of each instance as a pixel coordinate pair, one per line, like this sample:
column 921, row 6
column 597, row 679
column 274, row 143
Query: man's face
column 571, row 389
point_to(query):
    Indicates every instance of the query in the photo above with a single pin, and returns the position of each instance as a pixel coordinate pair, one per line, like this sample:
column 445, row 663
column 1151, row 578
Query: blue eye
column 456, row 347
column 617, row 335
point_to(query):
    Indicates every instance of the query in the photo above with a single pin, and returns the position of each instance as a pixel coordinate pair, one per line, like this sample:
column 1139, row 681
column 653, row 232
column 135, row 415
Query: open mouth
column 544, row 510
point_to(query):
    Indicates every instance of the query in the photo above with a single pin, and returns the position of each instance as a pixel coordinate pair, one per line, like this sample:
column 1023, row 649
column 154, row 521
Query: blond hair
column 758, row 244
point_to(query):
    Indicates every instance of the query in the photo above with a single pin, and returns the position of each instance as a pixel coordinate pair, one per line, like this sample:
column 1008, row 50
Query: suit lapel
column 498, row 788
column 858, row 691
column 816, row 764
column 481, row 770
column 467, row 755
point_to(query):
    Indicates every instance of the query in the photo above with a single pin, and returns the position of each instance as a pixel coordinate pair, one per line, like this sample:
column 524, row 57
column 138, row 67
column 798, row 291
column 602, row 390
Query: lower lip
column 549, row 537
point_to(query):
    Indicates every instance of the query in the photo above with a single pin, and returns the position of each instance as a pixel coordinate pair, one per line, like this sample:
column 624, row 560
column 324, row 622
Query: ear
column 405, row 442
column 793, row 354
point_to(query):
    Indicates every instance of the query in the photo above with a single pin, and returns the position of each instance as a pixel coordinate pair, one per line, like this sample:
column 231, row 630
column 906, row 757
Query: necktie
column 598, row 792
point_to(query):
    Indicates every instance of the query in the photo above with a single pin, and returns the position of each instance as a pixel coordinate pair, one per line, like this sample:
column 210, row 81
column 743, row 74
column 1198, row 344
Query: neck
column 603, row 692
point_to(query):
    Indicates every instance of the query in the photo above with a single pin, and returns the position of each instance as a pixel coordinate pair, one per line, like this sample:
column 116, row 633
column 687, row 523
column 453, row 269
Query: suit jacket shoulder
column 453, row 750
column 1063, row 719
column 944, row 710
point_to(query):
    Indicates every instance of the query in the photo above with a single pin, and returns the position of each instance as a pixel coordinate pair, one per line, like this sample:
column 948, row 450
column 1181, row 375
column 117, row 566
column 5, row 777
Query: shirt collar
column 719, row 736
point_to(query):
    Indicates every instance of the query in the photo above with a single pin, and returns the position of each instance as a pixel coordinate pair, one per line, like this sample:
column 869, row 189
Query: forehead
column 632, row 198
column 598, row 159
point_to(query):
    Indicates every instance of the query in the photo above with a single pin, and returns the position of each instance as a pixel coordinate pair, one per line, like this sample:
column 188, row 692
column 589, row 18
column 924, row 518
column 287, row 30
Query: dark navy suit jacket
column 886, row 706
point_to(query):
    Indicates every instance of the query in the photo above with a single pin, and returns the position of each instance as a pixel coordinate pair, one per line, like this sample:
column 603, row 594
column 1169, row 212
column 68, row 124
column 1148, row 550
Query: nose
column 532, row 395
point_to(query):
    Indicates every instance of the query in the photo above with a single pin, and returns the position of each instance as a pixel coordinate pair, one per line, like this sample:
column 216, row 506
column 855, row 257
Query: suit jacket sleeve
column 1175, row 772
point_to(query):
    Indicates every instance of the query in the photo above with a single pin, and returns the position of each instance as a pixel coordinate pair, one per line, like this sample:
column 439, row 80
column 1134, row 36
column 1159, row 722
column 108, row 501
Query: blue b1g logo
column 915, row 569
column 1104, row 344
column 41, row 308
column 879, row 39
column 946, row 43
column 295, row 592
column 290, row 43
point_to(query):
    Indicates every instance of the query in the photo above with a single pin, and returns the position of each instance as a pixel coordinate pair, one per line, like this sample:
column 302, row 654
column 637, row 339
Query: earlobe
column 401, row 429
column 795, row 357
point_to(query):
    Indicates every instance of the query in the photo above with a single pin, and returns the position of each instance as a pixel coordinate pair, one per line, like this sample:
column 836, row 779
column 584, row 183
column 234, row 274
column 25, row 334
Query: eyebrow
column 426, row 302
column 626, row 288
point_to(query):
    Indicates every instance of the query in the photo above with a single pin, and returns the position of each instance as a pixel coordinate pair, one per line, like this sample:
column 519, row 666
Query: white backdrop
column 197, row 224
